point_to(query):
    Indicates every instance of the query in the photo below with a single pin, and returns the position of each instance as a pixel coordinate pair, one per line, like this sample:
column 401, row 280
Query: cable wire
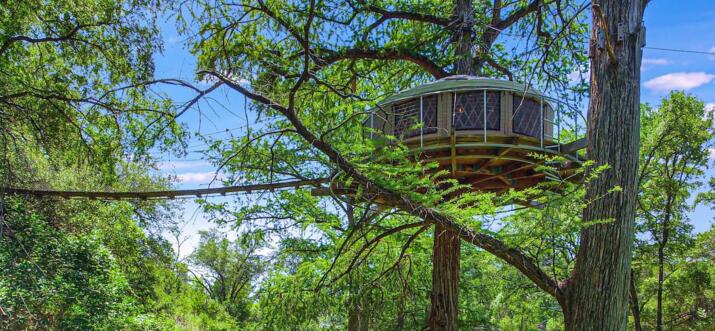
column 680, row 50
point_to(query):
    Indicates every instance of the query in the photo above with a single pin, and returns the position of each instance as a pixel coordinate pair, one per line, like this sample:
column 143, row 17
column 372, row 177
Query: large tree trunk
column 445, row 280
column 597, row 294
column 464, row 14
column 444, row 310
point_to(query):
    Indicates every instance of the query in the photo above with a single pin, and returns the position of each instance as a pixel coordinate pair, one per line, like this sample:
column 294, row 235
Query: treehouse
column 491, row 134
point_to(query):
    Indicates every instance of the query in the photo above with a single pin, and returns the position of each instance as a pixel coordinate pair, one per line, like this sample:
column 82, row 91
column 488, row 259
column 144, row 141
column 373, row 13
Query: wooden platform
column 501, row 162
column 497, row 165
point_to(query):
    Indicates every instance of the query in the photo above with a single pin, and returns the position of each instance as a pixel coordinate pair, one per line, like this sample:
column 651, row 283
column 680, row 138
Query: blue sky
column 685, row 25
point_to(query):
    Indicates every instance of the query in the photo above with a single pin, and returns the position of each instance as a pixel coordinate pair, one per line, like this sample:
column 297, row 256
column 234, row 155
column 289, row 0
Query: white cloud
column 656, row 61
column 711, row 50
column 710, row 107
column 198, row 177
column 679, row 81
column 173, row 165
column 712, row 153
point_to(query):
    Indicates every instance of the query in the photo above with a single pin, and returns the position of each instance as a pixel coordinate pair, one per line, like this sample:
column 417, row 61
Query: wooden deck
column 497, row 165
column 500, row 162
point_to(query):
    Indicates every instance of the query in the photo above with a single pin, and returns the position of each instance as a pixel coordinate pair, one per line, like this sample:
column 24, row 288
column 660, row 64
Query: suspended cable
column 680, row 50
column 165, row 194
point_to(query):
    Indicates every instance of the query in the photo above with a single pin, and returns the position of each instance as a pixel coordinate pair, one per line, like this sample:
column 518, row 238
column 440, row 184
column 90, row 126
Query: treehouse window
column 527, row 117
column 469, row 110
column 429, row 114
column 407, row 116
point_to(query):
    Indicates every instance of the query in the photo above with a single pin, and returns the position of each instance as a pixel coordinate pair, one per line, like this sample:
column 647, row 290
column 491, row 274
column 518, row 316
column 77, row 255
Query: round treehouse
column 491, row 134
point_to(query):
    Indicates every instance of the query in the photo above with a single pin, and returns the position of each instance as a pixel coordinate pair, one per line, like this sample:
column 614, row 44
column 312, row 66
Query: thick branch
column 517, row 15
column 385, row 54
column 412, row 16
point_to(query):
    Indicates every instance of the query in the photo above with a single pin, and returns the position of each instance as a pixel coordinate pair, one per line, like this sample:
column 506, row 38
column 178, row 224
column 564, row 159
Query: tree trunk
column 635, row 307
column 445, row 280
column 665, row 234
column 596, row 296
column 354, row 320
column 357, row 321
column 444, row 309
column 464, row 13
column 358, row 317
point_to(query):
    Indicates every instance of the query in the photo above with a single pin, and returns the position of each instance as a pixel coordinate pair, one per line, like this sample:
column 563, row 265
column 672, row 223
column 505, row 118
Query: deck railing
column 561, row 116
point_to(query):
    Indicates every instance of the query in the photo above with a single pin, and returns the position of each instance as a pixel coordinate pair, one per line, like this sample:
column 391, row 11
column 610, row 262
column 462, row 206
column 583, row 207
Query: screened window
column 469, row 110
column 527, row 117
column 407, row 116
column 429, row 114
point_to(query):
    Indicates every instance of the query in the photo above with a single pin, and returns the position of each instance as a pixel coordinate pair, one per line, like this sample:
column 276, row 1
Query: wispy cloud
column 679, row 81
column 711, row 50
column 198, row 177
column 656, row 61
column 712, row 153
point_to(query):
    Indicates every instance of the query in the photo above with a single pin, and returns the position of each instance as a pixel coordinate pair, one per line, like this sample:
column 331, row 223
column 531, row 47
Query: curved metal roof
column 462, row 82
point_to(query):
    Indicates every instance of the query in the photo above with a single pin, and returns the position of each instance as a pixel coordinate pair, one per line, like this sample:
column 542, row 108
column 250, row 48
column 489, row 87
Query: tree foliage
column 677, row 137
column 77, row 82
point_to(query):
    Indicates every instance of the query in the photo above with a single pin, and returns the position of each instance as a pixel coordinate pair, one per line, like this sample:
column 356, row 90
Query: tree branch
column 515, row 258
column 517, row 15
column 412, row 16
column 384, row 54
column 66, row 37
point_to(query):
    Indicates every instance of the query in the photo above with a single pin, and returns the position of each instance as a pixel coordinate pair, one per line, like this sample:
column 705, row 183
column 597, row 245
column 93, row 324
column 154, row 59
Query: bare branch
column 70, row 35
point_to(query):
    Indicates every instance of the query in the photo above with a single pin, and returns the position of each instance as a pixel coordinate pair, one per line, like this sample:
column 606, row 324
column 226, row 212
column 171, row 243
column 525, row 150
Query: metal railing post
column 485, row 117
column 422, row 126
column 558, row 124
column 542, row 121
column 454, row 111
column 575, row 123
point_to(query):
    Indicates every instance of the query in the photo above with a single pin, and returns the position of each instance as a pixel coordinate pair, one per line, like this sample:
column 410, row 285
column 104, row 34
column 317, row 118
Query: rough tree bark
column 464, row 16
column 444, row 309
column 596, row 296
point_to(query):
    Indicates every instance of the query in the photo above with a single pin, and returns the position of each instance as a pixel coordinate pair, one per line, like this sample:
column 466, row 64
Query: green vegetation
column 77, row 112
